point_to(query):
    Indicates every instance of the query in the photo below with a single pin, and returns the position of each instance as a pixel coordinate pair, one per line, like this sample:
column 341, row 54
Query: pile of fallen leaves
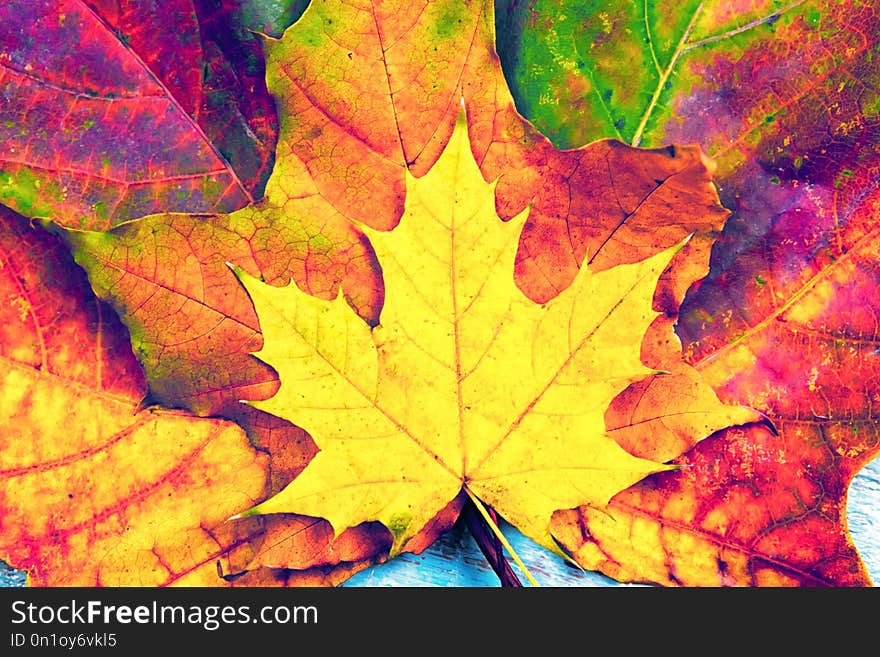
column 279, row 303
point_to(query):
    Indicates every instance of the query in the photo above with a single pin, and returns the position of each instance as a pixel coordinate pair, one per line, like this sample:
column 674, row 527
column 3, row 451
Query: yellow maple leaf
column 465, row 383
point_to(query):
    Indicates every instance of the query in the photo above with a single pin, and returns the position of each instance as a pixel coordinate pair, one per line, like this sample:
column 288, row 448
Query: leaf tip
column 247, row 513
column 244, row 277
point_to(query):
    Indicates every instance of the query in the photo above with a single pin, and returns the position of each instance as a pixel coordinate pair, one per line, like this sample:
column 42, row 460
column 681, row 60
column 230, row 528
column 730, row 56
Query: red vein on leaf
column 150, row 282
column 795, row 297
column 68, row 382
column 627, row 215
column 717, row 540
column 44, row 356
column 140, row 494
column 126, row 183
column 794, row 99
column 345, row 128
column 45, row 466
column 69, row 91
column 388, row 82
column 193, row 123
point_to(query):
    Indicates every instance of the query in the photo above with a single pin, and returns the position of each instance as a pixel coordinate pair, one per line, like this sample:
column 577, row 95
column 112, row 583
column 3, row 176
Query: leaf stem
column 501, row 537
column 489, row 544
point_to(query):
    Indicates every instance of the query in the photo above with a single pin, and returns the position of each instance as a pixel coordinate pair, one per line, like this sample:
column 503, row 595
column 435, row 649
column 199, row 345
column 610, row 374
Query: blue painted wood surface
column 455, row 560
